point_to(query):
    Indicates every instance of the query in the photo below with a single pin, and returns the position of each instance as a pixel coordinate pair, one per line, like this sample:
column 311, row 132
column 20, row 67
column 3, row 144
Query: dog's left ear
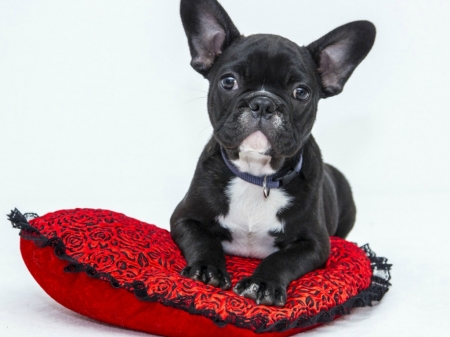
column 339, row 52
column 209, row 30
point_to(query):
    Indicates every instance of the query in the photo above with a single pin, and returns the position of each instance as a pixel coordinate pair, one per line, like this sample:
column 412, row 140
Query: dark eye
column 301, row 93
column 229, row 83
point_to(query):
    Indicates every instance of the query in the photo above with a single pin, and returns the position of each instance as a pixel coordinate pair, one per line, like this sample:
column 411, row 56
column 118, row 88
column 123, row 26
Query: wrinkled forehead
column 268, row 58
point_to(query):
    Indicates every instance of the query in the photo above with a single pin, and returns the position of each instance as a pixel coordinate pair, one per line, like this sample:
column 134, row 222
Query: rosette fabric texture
column 125, row 272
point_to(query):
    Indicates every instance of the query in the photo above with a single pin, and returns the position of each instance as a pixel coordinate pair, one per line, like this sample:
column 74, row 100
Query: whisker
column 202, row 130
column 198, row 90
column 193, row 100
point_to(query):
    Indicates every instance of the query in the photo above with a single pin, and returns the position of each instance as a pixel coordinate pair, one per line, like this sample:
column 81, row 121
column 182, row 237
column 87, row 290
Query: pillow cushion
column 125, row 272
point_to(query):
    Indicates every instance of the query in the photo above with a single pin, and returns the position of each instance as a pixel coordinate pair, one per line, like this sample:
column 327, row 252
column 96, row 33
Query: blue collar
column 268, row 181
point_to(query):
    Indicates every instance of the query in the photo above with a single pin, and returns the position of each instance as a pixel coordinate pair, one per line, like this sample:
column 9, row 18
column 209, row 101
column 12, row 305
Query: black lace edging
column 375, row 292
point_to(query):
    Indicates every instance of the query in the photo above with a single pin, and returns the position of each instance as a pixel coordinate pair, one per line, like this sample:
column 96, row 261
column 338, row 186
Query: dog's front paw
column 261, row 291
column 208, row 274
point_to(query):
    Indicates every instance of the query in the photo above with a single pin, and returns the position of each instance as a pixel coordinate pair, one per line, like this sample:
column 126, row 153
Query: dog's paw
column 261, row 291
column 208, row 274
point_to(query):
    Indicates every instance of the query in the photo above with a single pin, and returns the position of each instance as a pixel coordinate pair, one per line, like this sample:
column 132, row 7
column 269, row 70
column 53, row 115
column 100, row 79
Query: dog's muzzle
column 263, row 104
column 262, row 107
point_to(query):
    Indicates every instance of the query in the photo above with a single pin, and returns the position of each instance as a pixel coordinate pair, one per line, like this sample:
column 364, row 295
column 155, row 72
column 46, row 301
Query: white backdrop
column 99, row 108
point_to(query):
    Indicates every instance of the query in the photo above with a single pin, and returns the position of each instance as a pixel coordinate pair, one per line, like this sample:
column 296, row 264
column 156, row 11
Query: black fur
column 322, row 200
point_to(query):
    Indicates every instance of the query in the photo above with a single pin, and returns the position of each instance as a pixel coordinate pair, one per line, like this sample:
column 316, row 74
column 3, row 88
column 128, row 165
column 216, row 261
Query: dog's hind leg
column 346, row 205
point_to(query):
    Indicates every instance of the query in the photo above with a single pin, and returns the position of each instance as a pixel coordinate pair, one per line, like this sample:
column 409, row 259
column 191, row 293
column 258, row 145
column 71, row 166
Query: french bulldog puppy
column 260, row 188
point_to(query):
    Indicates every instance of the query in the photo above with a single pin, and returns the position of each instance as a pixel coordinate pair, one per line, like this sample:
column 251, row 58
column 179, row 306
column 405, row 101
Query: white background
column 99, row 108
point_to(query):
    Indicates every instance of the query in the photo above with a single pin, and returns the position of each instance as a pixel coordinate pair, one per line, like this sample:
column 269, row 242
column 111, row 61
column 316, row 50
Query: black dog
column 261, row 188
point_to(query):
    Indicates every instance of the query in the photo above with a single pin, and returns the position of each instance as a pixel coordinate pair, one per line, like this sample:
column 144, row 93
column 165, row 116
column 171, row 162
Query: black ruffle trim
column 375, row 292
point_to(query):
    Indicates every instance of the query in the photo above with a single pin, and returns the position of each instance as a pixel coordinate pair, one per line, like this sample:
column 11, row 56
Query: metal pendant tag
column 266, row 190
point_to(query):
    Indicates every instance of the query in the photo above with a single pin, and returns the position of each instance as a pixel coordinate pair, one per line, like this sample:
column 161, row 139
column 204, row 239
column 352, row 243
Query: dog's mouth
column 257, row 142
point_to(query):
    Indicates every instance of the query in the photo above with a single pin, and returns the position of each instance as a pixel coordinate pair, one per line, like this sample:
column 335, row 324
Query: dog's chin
column 253, row 156
column 256, row 143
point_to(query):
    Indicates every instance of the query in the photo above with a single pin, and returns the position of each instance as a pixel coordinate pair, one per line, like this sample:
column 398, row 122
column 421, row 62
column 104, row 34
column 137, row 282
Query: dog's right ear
column 209, row 30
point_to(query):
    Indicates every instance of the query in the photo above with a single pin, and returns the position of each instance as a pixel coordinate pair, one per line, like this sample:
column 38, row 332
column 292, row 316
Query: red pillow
column 71, row 253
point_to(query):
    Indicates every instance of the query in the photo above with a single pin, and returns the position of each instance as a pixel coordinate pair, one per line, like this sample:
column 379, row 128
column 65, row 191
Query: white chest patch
column 251, row 218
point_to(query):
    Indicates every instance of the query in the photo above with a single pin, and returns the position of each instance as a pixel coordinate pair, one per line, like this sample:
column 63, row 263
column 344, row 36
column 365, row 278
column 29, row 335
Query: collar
column 268, row 181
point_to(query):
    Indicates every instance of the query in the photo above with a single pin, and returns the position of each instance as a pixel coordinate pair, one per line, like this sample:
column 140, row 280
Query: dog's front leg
column 203, row 252
column 268, row 283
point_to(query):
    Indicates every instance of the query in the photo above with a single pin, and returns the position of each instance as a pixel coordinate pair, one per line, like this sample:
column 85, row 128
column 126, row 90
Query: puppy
column 260, row 188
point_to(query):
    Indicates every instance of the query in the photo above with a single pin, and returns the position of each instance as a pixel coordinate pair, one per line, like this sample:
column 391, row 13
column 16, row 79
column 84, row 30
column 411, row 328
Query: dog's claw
column 261, row 291
column 185, row 271
column 208, row 275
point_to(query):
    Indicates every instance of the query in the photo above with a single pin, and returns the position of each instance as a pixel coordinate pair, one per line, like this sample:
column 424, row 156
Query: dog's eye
column 229, row 83
column 301, row 93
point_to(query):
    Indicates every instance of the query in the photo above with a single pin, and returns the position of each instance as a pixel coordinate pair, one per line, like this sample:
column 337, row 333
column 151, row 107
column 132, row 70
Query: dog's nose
column 262, row 107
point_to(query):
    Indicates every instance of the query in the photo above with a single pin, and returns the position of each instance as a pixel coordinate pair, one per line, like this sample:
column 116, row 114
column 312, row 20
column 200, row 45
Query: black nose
column 262, row 107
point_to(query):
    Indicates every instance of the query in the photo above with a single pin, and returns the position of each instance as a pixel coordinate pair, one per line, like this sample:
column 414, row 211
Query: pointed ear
column 339, row 52
column 209, row 30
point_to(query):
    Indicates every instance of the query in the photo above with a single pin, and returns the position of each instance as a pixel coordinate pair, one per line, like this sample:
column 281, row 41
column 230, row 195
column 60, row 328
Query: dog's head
column 264, row 89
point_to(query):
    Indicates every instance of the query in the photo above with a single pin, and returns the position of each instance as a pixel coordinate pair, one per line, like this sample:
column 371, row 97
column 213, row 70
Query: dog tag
column 266, row 190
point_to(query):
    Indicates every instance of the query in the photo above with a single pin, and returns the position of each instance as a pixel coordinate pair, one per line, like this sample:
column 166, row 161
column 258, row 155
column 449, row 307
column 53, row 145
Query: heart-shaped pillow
column 122, row 271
